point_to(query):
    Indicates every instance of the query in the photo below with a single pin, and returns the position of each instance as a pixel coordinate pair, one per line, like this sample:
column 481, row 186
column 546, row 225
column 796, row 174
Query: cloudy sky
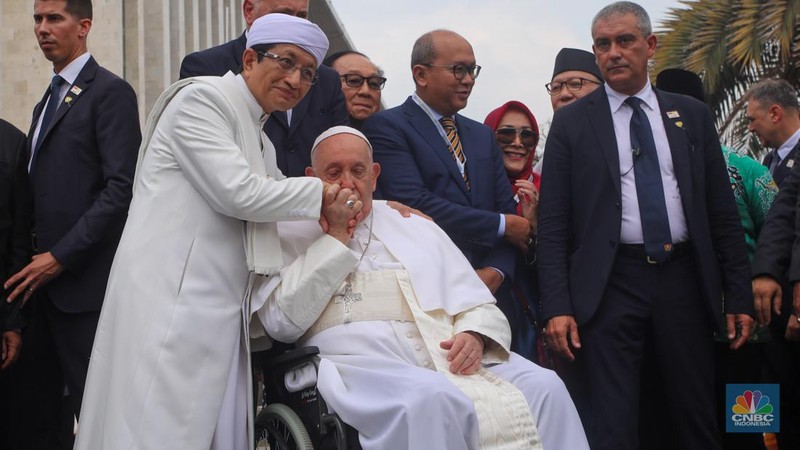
column 515, row 41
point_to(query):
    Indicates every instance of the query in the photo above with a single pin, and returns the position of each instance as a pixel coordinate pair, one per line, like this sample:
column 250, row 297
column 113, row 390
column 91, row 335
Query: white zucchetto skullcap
column 278, row 28
column 340, row 129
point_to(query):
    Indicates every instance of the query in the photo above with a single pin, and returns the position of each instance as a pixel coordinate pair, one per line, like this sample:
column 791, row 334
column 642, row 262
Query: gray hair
column 773, row 92
column 622, row 8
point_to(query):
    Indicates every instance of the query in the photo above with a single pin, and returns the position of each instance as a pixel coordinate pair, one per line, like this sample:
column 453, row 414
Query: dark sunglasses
column 506, row 136
column 355, row 80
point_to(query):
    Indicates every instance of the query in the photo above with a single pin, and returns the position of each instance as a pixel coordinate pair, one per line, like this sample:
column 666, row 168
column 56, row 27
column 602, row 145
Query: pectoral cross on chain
column 347, row 299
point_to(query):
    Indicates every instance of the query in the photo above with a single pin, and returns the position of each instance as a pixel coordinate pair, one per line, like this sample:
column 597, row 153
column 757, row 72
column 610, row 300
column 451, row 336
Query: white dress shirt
column 621, row 113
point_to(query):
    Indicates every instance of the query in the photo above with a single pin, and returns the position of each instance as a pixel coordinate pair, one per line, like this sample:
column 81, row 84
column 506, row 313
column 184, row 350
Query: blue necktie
column 649, row 189
column 50, row 110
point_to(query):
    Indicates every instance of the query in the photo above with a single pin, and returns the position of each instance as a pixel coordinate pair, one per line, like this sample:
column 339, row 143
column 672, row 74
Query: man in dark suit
column 639, row 238
column 14, row 255
column 772, row 113
column 291, row 132
column 457, row 176
column 82, row 155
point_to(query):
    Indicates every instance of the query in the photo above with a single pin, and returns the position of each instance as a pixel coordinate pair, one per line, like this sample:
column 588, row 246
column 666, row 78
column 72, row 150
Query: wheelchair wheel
column 280, row 427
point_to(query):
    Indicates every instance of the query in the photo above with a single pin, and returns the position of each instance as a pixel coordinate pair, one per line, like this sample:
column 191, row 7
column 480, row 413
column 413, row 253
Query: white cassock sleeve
column 207, row 152
column 296, row 297
column 489, row 321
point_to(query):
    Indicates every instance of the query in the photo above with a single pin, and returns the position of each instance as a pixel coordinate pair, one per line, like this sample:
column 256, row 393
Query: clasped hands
column 341, row 212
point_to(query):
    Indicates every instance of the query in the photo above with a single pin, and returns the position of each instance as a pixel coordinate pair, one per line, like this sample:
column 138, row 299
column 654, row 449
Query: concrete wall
column 142, row 41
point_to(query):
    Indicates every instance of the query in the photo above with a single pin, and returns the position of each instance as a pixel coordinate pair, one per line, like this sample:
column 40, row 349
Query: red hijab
column 493, row 120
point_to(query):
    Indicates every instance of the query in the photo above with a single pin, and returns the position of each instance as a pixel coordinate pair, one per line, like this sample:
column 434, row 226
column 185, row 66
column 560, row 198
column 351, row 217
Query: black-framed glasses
column 460, row 70
column 573, row 84
column 307, row 75
column 506, row 136
column 355, row 80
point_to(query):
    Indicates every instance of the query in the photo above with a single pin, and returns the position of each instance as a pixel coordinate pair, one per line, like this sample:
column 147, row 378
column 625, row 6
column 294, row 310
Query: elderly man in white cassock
column 414, row 351
column 169, row 367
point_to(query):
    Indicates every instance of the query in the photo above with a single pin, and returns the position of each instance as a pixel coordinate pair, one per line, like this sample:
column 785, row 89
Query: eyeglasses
column 506, row 136
column 355, row 80
column 573, row 84
column 307, row 75
column 460, row 70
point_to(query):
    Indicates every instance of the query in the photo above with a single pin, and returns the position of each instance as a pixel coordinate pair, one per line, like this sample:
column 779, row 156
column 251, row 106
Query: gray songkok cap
column 278, row 28
column 576, row 59
column 340, row 129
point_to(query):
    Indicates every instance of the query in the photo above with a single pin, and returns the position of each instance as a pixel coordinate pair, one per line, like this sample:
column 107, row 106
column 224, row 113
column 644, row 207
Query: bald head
column 253, row 9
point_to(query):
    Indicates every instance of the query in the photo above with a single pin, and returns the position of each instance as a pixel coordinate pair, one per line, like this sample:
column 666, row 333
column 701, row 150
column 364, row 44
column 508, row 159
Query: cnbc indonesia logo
column 752, row 410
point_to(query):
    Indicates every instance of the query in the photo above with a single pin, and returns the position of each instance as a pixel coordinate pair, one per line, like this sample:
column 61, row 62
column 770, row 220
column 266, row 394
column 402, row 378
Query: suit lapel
column 300, row 111
column 468, row 146
column 679, row 147
column 599, row 112
column 426, row 128
column 74, row 94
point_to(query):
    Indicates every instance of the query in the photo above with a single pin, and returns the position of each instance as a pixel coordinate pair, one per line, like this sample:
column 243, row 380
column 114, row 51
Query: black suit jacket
column 81, row 179
column 323, row 107
column 778, row 250
column 418, row 170
column 15, row 242
column 784, row 167
column 581, row 209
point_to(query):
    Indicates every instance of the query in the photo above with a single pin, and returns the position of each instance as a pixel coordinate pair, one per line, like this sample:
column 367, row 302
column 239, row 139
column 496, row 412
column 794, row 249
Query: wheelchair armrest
column 294, row 356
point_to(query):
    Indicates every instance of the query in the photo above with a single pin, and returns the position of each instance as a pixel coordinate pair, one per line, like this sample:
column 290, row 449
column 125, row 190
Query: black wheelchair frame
column 299, row 420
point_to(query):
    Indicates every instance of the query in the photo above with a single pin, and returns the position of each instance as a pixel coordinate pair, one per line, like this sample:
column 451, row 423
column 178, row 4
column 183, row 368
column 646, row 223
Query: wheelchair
column 298, row 420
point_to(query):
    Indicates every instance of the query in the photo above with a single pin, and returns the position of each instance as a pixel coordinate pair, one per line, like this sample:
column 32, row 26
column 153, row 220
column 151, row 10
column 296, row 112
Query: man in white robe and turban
column 169, row 368
column 414, row 351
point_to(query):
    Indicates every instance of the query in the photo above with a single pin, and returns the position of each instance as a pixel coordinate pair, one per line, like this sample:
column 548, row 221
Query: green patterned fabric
column 754, row 190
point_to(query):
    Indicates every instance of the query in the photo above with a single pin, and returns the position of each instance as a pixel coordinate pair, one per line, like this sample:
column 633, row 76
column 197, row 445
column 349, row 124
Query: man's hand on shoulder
column 766, row 295
column 518, row 231
column 406, row 211
column 465, row 352
column 561, row 333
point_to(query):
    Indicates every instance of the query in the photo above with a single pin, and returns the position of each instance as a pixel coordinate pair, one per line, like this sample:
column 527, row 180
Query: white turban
column 340, row 129
column 278, row 28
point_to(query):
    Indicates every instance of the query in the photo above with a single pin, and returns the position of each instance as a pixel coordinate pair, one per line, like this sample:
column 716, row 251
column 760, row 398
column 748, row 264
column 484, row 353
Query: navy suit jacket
column 15, row 238
column 783, row 168
column 581, row 214
column 81, row 179
column 417, row 169
column 777, row 251
column 323, row 107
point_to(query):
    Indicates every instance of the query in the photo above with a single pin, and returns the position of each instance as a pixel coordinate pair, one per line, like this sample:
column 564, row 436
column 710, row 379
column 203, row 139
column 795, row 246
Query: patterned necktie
column 456, row 150
column 649, row 189
column 50, row 110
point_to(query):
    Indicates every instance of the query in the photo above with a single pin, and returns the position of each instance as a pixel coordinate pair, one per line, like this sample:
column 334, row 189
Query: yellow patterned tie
column 455, row 144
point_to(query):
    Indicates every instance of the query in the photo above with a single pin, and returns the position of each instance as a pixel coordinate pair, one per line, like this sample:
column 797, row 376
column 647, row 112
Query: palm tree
column 732, row 44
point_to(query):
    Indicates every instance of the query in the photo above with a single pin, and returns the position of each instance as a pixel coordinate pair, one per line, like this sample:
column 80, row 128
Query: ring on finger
column 350, row 203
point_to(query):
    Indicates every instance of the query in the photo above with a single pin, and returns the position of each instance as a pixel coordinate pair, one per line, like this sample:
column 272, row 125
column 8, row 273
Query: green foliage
column 732, row 44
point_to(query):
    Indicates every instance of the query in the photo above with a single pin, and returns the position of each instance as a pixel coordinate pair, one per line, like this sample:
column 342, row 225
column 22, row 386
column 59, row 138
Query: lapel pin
column 673, row 114
column 790, row 163
column 679, row 124
column 76, row 90
column 68, row 101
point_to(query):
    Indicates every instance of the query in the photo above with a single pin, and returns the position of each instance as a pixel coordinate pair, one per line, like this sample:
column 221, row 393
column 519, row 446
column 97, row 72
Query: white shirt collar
column 433, row 113
column 73, row 69
column 256, row 111
column 787, row 146
column 617, row 99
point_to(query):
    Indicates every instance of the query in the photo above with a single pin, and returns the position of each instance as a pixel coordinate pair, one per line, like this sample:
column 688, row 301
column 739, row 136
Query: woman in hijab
column 517, row 134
